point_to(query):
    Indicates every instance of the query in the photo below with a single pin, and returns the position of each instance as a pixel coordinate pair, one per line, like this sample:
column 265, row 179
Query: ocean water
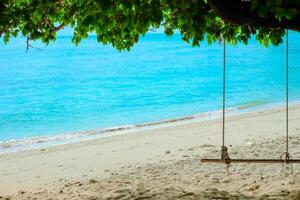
column 65, row 88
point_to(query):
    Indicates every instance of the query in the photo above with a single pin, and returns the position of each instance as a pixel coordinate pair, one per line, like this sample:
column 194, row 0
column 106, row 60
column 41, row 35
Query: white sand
column 162, row 163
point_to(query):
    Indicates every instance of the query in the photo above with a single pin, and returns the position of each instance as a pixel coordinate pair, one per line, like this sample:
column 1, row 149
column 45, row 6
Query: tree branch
column 238, row 12
column 56, row 29
column 29, row 45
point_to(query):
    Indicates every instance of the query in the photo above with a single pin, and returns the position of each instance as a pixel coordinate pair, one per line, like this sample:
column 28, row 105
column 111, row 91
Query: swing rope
column 287, row 95
column 224, row 92
column 224, row 151
column 286, row 154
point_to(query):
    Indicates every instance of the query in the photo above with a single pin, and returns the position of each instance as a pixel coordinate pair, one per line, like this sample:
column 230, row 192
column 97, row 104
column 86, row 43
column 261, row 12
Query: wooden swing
column 285, row 158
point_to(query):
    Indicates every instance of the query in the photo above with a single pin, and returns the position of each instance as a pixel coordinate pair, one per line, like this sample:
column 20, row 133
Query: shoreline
column 15, row 145
column 164, row 155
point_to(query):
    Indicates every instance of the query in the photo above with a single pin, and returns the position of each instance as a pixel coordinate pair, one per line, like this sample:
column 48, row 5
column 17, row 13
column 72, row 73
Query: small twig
column 54, row 30
column 29, row 45
column 57, row 28
column 49, row 23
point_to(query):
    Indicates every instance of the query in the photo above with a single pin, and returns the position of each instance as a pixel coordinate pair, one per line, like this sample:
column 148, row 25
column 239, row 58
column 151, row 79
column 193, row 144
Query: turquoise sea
column 65, row 88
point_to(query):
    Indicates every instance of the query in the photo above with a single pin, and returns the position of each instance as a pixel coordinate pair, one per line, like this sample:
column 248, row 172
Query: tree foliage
column 122, row 22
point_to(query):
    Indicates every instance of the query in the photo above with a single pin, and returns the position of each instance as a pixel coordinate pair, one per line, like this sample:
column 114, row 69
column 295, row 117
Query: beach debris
column 167, row 152
column 68, row 185
column 92, row 180
column 249, row 143
column 21, row 192
column 79, row 184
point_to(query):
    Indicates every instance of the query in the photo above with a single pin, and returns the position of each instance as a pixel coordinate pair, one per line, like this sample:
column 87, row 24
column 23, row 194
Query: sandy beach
column 162, row 162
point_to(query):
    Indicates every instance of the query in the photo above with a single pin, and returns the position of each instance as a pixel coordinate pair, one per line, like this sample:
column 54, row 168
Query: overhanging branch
column 238, row 12
column 29, row 45
column 56, row 29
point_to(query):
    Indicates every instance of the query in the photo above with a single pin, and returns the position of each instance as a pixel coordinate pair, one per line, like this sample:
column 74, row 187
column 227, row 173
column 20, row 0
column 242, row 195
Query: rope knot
column 224, row 155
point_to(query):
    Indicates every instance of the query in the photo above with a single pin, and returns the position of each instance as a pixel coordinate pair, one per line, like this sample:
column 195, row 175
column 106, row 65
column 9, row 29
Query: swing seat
column 228, row 161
